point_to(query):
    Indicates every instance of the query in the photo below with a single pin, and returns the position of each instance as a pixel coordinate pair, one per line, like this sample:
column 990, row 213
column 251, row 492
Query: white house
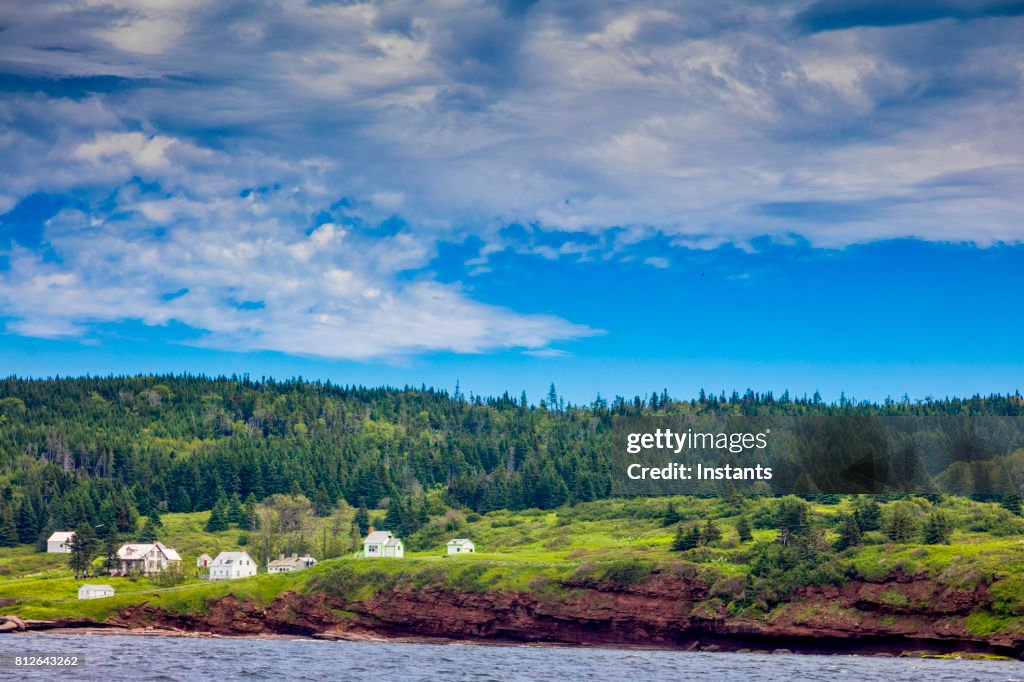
column 204, row 560
column 95, row 591
column 231, row 565
column 283, row 564
column 461, row 546
column 146, row 558
column 60, row 542
column 382, row 543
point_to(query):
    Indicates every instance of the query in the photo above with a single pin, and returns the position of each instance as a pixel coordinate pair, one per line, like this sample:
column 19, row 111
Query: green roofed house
column 382, row 543
column 461, row 546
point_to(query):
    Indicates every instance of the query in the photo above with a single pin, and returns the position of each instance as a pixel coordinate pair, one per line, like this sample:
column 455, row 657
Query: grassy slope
column 530, row 550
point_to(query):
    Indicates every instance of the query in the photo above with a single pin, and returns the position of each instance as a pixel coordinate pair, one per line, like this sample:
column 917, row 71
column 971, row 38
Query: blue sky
column 803, row 195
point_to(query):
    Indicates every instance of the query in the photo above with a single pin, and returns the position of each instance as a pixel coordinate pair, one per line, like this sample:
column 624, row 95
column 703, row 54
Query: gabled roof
column 393, row 542
column 228, row 558
column 169, row 552
column 302, row 561
column 378, row 537
column 61, row 536
column 136, row 550
column 461, row 541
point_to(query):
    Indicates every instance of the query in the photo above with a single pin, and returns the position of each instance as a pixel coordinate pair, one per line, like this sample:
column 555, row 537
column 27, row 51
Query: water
column 125, row 657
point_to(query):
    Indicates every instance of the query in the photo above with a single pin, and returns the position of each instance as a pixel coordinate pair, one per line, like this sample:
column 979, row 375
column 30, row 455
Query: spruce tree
column 849, row 534
column 218, row 517
column 25, row 521
column 8, row 528
column 84, row 547
column 671, row 516
column 743, row 530
column 711, row 533
column 362, row 519
column 149, row 531
column 236, row 511
column 1012, row 503
column 937, row 529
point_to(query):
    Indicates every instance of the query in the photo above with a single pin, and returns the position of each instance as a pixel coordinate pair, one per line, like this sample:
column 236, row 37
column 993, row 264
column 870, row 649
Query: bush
column 627, row 571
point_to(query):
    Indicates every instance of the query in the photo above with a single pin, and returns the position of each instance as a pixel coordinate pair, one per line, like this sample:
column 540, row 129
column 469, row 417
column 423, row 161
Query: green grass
column 546, row 553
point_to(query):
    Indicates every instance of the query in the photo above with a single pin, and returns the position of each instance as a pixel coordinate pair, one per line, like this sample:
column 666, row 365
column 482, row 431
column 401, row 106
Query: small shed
column 95, row 591
column 461, row 546
column 60, row 542
column 204, row 560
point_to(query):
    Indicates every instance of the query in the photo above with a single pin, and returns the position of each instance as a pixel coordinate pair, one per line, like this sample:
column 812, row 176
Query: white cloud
column 203, row 142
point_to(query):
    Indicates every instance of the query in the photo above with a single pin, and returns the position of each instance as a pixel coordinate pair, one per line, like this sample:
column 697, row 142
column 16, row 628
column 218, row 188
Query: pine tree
column 395, row 518
column 901, row 525
column 25, row 521
column 685, row 540
column 218, row 517
column 868, row 516
column 1012, row 503
column 149, row 531
column 849, row 534
column 8, row 528
column 671, row 516
column 362, row 519
column 252, row 519
column 181, row 502
column 236, row 512
column 937, row 529
column 355, row 538
column 743, row 530
column 84, row 546
column 711, row 533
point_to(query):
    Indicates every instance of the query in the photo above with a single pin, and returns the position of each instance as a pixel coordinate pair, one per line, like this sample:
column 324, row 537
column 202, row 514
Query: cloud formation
column 280, row 175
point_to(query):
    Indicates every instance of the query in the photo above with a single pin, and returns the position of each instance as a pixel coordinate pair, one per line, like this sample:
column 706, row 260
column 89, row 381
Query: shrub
column 627, row 571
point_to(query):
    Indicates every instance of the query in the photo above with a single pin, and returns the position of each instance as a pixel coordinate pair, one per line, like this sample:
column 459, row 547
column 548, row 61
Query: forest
column 104, row 451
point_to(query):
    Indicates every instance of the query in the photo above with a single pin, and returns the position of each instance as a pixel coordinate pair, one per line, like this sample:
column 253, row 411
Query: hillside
column 606, row 572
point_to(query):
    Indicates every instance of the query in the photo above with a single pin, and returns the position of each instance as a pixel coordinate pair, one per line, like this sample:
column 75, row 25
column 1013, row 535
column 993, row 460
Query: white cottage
column 461, row 546
column 231, row 565
column 204, row 561
column 60, row 542
column 146, row 558
column 383, row 543
column 95, row 591
column 283, row 564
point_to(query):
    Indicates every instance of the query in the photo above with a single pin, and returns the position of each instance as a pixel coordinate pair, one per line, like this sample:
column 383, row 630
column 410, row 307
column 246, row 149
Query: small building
column 283, row 564
column 461, row 546
column 204, row 560
column 146, row 558
column 383, row 543
column 60, row 542
column 95, row 591
column 232, row 565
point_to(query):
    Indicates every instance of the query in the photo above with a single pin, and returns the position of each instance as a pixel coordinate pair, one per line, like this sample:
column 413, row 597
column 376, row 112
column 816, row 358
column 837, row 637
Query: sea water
column 153, row 659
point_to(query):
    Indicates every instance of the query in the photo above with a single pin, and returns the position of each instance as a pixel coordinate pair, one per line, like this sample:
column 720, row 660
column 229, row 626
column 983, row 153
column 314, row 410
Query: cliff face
column 890, row 616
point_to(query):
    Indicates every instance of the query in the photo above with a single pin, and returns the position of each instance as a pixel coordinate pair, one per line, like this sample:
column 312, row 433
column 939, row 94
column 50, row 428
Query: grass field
column 536, row 551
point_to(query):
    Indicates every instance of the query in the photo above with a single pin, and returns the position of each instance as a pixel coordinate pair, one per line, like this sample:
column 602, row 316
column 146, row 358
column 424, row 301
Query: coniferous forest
column 103, row 451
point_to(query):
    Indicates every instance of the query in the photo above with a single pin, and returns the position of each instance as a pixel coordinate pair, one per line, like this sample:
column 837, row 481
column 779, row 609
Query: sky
column 615, row 197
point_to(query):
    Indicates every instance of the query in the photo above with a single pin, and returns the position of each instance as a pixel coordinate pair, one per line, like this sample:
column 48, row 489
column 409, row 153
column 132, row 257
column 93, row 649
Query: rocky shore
column 889, row 617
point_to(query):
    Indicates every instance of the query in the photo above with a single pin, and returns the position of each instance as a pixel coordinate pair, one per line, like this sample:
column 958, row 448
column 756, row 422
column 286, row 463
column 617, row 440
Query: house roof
column 97, row 587
column 169, row 552
column 61, row 536
column 292, row 561
column 228, row 558
column 136, row 550
column 461, row 541
column 378, row 537
column 393, row 542
column 204, row 554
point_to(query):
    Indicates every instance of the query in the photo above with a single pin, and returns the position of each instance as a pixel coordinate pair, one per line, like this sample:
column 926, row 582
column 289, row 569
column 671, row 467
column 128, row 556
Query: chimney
column 280, row 557
column 295, row 555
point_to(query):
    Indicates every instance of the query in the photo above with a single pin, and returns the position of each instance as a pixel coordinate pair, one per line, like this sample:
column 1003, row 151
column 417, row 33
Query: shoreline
column 719, row 646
